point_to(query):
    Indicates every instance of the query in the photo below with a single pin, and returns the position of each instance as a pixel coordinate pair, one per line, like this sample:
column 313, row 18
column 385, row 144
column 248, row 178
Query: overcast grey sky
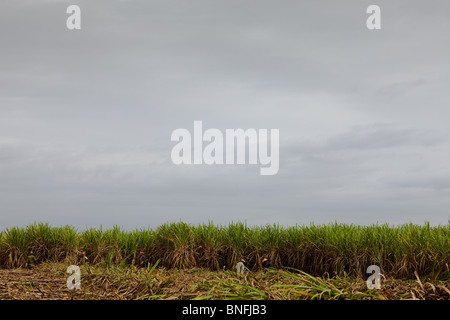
column 86, row 116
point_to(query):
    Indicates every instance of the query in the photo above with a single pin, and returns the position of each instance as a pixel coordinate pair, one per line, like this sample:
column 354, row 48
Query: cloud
column 86, row 117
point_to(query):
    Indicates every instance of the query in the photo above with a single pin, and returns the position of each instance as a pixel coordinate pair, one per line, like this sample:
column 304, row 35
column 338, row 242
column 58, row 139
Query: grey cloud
column 86, row 117
column 383, row 136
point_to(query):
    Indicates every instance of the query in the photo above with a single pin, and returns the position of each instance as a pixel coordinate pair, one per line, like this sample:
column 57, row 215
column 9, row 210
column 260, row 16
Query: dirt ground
column 23, row 284
column 48, row 281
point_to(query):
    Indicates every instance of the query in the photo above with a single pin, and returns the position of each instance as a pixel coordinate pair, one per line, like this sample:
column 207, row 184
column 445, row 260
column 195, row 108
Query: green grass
column 335, row 249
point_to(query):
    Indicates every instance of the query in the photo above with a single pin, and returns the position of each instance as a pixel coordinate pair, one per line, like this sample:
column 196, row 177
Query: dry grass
column 48, row 281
